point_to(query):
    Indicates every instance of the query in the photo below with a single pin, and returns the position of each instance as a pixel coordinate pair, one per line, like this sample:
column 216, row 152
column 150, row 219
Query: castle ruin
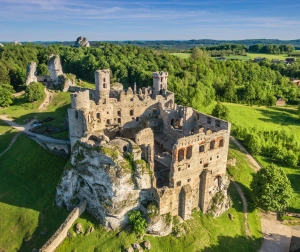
column 185, row 152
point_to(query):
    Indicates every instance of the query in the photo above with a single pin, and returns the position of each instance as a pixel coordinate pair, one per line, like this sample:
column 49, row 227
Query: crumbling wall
column 30, row 73
column 62, row 231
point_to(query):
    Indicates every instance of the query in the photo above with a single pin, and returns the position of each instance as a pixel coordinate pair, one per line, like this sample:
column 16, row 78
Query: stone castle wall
column 62, row 231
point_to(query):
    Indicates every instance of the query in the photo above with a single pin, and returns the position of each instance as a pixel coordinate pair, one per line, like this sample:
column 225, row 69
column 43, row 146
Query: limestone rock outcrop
column 31, row 73
column 111, row 177
column 81, row 42
column 1, row 45
column 17, row 43
column 55, row 68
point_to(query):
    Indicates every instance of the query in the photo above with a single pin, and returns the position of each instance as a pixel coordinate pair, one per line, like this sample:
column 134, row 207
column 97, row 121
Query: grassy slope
column 6, row 135
column 29, row 176
column 271, row 118
column 266, row 118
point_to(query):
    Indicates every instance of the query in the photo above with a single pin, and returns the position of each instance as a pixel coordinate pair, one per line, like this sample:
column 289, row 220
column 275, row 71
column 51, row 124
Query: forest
column 196, row 81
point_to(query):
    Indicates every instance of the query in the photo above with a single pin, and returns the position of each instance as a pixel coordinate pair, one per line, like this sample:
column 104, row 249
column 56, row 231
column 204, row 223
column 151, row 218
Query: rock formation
column 1, row 45
column 67, row 80
column 55, row 68
column 17, row 43
column 112, row 179
column 82, row 41
column 31, row 73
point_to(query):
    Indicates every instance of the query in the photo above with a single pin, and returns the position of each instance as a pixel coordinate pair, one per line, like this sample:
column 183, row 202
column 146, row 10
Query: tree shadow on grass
column 236, row 199
column 237, row 243
column 29, row 176
column 279, row 116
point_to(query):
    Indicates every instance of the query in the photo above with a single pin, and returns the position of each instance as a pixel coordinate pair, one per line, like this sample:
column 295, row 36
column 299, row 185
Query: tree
column 138, row 222
column 254, row 143
column 271, row 188
column 34, row 92
column 221, row 111
column 6, row 92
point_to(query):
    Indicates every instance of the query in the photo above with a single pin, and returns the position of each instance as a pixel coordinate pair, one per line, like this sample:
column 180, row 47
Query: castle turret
column 77, row 126
column 102, row 80
column 160, row 82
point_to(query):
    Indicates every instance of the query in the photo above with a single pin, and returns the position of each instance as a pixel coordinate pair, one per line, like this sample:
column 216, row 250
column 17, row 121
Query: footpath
column 277, row 237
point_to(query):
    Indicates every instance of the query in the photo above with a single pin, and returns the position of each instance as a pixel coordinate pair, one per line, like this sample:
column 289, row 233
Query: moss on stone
column 111, row 152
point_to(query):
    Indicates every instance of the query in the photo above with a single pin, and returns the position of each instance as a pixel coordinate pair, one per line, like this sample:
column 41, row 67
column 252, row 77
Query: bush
column 34, row 92
column 138, row 222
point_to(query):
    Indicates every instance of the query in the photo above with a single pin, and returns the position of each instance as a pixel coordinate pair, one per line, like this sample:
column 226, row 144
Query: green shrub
column 139, row 223
column 34, row 92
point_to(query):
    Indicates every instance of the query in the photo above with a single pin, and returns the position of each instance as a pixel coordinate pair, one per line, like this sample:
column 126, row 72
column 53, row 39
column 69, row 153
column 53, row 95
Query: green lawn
column 28, row 180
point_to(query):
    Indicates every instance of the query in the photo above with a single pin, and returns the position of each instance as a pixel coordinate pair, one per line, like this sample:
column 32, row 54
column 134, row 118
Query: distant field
column 268, row 56
column 182, row 55
column 239, row 57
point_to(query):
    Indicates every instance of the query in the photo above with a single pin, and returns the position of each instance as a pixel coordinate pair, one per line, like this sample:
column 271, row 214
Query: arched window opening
column 221, row 143
column 212, row 145
column 189, row 152
column 131, row 112
column 180, row 155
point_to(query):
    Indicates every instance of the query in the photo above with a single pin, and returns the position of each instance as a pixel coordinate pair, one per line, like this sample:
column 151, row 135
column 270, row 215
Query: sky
column 65, row 20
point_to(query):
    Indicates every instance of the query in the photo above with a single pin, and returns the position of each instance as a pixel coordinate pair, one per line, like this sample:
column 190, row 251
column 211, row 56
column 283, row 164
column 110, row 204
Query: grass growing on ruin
column 28, row 180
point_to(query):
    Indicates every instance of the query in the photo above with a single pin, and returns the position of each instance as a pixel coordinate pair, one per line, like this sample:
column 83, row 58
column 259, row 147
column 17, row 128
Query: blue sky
column 65, row 20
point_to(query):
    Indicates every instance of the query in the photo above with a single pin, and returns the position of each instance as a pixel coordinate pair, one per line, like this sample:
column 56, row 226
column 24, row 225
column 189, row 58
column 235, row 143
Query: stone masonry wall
column 62, row 231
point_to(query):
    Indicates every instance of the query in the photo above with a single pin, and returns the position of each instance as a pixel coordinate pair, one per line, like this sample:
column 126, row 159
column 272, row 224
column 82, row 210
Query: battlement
column 159, row 74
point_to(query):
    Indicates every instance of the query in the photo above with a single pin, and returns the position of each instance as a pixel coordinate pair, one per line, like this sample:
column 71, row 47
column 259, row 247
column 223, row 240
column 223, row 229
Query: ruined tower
column 77, row 123
column 160, row 82
column 102, row 80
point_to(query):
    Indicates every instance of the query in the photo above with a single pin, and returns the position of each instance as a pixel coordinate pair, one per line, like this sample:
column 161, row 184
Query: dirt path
column 242, row 148
column 11, row 143
column 47, row 100
column 21, row 128
column 245, row 206
column 277, row 237
column 19, row 93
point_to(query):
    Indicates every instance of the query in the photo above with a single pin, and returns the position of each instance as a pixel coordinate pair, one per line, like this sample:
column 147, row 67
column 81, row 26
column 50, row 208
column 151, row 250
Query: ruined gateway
column 137, row 149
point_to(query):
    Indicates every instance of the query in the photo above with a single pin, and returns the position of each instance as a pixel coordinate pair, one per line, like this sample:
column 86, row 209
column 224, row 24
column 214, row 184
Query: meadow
column 249, row 56
column 271, row 118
